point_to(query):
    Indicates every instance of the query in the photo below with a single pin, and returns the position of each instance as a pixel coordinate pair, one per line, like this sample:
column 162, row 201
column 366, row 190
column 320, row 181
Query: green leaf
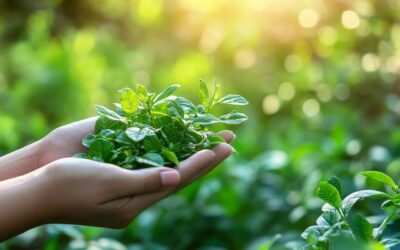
column 154, row 157
column 166, row 93
column 171, row 156
column 129, row 101
column 88, row 140
column 105, row 123
column 100, row 148
column 315, row 231
column 204, row 93
column 103, row 111
column 328, row 193
column 361, row 228
column 152, row 143
column 233, row 100
column 205, row 119
column 138, row 134
column 233, row 118
column 381, row 177
column 337, row 184
column 142, row 91
column 328, row 218
column 186, row 105
column 351, row 199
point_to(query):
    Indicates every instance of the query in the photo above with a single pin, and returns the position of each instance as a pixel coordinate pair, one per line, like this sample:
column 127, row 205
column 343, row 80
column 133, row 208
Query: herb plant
column 148, row 129
column 338, row 221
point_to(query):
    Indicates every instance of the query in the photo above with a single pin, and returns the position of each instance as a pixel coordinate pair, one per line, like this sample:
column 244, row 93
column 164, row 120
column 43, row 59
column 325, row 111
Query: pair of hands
column 44, row 185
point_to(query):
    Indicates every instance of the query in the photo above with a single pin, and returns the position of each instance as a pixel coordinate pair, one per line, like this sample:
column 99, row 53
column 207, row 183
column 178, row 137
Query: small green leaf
column 205, row 119
column 361, row 228
column 328, row 218
column 154, row 157
column 138, row 134
column 233, row 100
column 315, row 231
column 171, row 156
column 100, row 148
column 142, row 91
column 233, row 118
column 88, row 140
column 129, row 101
column 351, row 199
column 204, row 93
column 381, row 177
column 166, row 93
column 186, row 105
column 328, row 193
column 105, row 123
column 337, row 184
column 103, row 111
column 151, row 143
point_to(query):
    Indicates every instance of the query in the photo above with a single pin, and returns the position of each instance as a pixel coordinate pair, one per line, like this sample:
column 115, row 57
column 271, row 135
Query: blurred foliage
column 322, row 78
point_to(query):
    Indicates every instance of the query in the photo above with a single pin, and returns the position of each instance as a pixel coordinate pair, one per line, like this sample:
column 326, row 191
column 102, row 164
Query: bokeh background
column 322, row 78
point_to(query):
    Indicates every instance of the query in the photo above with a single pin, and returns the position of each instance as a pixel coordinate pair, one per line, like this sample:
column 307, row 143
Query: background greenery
column 322, row 78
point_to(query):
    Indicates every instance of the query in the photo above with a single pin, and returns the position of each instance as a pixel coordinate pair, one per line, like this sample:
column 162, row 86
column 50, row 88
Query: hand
column 64, row 141
column 79, row 191
column 115, row 196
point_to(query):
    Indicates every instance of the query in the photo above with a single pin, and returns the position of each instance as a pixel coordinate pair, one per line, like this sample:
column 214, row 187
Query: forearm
column 20, row 199
column 19, row 162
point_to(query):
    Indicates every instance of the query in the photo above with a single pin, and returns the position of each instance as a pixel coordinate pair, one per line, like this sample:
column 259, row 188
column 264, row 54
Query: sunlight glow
column 350, row 19
column 308, row 18
column 311, row 107
column 271, row 104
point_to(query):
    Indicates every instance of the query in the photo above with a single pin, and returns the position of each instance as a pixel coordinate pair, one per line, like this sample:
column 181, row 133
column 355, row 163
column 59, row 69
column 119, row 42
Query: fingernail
column 170, row 177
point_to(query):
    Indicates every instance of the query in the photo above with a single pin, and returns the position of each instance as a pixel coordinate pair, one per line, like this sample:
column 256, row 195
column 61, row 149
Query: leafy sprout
column 147, row 129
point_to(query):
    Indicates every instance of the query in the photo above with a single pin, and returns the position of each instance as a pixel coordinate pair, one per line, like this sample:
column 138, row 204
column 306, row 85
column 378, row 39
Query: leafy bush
column 338, row 220
column 149, row 129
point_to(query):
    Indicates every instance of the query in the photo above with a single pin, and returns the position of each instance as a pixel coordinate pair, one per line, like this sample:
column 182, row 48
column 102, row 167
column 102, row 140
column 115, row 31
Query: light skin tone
column 41, row 184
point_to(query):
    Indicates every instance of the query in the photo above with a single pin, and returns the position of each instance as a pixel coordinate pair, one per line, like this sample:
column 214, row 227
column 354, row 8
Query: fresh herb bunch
column 339, row 225
column 149, row 129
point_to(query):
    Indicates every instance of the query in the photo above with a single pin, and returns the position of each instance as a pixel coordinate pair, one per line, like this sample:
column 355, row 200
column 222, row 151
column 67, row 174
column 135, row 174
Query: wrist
column 23, row 205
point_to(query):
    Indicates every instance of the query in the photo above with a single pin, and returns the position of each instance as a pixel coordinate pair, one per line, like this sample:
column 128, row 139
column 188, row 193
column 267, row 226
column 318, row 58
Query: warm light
column 311, row 107
column 370, row 62
column 245, row 58
column 271, row 104
column 308, row 18
column 210, row 40
column 350, row 19
column 286, row 91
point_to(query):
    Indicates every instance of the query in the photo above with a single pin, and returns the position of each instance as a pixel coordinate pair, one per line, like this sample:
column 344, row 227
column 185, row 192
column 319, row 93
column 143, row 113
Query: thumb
column 133, row 182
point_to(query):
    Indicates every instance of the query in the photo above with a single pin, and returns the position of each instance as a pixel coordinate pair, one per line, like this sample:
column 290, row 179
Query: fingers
column 187, row 169
column 125, row 183
column 83, row 127
column 221, row 152
column 228, row 135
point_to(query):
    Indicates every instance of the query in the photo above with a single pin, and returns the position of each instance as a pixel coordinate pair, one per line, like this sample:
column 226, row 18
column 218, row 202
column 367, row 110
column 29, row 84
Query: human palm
column 65, row 141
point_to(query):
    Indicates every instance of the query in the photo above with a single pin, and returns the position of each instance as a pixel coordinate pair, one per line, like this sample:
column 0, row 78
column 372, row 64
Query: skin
column 42, row 184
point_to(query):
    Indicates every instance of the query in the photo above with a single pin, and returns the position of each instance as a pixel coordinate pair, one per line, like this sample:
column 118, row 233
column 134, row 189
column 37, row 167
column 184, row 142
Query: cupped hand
column 85, row 192
column 64, row 141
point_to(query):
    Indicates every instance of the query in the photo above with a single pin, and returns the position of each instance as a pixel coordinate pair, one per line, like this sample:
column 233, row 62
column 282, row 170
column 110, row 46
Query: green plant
column 339, row 222
column 149, row 129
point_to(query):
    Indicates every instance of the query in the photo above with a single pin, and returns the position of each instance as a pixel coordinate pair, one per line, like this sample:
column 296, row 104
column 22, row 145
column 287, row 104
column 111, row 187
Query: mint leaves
column 147, row 129
column 339, row 219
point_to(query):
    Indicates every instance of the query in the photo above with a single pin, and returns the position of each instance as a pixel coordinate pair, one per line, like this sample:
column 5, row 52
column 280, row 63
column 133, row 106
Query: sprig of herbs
column 148, row 129
column 338, row 221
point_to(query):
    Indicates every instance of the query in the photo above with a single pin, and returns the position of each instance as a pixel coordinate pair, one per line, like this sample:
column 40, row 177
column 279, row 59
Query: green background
column 322, row 77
